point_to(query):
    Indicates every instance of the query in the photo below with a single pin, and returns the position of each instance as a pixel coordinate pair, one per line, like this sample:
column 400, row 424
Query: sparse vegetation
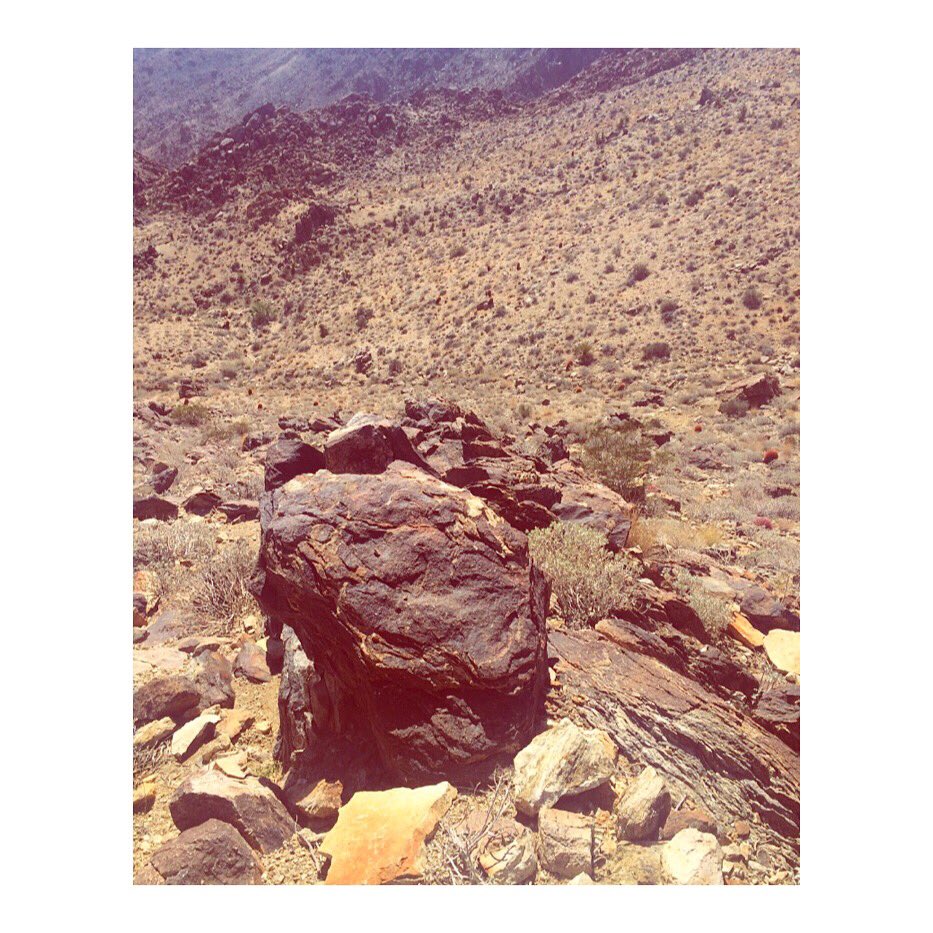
column 619, row 456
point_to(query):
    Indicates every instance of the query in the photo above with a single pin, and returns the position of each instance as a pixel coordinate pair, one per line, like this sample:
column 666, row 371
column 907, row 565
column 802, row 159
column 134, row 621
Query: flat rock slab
column 211, row 853
column 193, row 734
column 703, row 746
column 783, row 650
column 248, row 805
column 563, row 760
column 379, row 835
column 170, row 695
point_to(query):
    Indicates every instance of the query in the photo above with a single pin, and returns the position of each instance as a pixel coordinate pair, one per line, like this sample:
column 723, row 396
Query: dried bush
column 587, row 581
column 165, row 544
column 618, row 455
column 220, row 590
column 194, row 413
column 659, row 350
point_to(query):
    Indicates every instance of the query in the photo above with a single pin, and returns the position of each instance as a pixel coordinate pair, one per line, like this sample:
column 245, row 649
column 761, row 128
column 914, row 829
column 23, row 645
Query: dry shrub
column 617, row 456
column 649, row 533
column 587, row 581
column 165, row 544
column 220, row 590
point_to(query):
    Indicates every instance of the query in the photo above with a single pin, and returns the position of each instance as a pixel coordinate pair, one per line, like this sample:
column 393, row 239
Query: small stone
column 644, row 807
column 563, row 760
column 234, row 723
column 319, row 800
column 742, row 829
column 582, row 878
column 192, row 734
column 144, row 797
column 263, row 727
column 566, row 842
column 692, row 857
column 251, row 664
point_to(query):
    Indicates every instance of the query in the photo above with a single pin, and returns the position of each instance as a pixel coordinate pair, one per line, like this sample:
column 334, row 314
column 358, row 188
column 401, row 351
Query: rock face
column 703, row 746
column 692, row 857
column 644, row 807
column 379, row 835
column 248, row 805
column 211, row 853
column 295, row 717
column 563, row 760
column 421, row 612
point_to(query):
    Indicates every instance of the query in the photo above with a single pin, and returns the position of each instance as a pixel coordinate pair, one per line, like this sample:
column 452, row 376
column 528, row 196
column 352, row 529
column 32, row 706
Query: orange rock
column 379, row 835
column 743, row 630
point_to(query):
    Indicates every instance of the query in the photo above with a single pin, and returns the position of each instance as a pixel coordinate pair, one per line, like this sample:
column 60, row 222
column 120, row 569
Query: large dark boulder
column 169, row 695
column 288, row 458
column 211, row 853
column 420, row 609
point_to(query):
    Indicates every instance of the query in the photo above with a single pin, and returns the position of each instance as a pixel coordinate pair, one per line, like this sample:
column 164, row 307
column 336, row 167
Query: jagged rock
column 742, row 630
column 687, row 818
column 163, row 510
column 193, row 734
column 507, row 853
column 565, row 843
column 757, row 390
column 211, row 853
column 704, row 746
column 778, row 710
column 201, row 502
column 368, row 444
column 168, row 695
column 162, row 479
column 214, row 680
column 251, row 664
column 234, row 722
column 248, row 805
column 766, row 613
column 379, row 835
column 314, row 800
column 644, row 807
column 692, row 857
column 420, row 609
column 243, row 510
column 288, row 458
column 783, row 650
column 563, row 760
column 295, row 716
column 252, row 441
column 146, row 591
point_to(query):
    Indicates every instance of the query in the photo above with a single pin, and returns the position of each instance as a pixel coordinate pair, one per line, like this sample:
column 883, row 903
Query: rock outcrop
column 420, row 609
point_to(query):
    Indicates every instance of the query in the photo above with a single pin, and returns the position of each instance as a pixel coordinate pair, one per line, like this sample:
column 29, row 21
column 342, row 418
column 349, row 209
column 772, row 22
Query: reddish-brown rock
column 421, row 612
column 211, row 853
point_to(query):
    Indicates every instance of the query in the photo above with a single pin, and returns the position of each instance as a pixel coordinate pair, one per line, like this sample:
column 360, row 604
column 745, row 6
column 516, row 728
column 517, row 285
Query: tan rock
column 566, row 842
column 379, row 835
column 783, row 650
column 232, row 765
column 692, row 857
column 742, row 630
column 192, row 734
column 563, row 760
column 153, row 733
column 315, row 800
column 582, row 878
column 234, row 722
column 644, row 806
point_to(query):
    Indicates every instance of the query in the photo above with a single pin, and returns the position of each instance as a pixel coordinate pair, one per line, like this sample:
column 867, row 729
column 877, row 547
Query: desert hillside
column 466, row 466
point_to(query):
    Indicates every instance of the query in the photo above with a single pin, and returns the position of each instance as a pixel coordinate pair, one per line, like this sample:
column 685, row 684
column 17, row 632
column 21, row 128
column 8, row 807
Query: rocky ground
column 544, row 632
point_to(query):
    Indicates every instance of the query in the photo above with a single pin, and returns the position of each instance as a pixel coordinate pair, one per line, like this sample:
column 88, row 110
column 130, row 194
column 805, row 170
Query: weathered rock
column 251, row 664
column 742, row 630
column 692, row 857
column 765, row 612
column 144, row 797
column 704, row 746
column 163, row 510
column 379, row 835
column 153, row 733
column 644, row 807
column 146, row 594
column 783, row 650
column 214, row 680
column 201, row 502
column 295, row 716
column 582, row 878
column 368, row 444
column 288, row 458
column 687, row 818
column 192, row 734
column 636, row 864
column 240, row 510
column 234, row 722
column 757, row 390
column 162, row 477
column 420, row 609
column 565, row 843
column 248, row 805
column 211, row 853
column 314, row 800
column 778, row 710
column 507, row 855
column 169, row 695
column 563, row 760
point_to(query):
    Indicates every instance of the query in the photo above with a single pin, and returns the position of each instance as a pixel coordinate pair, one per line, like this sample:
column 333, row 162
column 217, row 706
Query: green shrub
column 587, row 582
column 618, row 456
column 194, row 413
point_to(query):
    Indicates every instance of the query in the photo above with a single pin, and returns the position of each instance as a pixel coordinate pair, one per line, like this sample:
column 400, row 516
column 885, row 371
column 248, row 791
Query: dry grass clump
column 649, row 533
column 192, row 414
column 587, row 581
column 165, row 544
column 220, row 590
column 715, row 611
